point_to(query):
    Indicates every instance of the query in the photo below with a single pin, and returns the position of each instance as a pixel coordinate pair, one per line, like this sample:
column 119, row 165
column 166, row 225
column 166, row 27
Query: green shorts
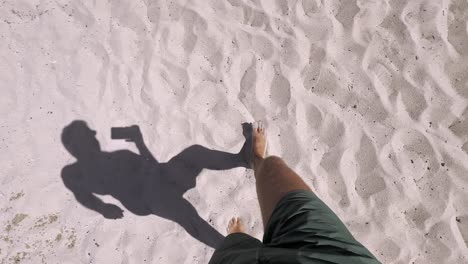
column 301, row 229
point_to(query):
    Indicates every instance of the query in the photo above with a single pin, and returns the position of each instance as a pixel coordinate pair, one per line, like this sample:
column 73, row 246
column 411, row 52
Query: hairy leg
column 273, row 177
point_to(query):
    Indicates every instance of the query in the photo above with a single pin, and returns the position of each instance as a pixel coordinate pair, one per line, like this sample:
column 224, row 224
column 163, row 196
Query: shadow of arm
column 73, row 182
column 137, row 137
column 144, row 151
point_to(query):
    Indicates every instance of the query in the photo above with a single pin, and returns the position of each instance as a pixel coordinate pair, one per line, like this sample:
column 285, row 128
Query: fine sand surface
column 366, row 99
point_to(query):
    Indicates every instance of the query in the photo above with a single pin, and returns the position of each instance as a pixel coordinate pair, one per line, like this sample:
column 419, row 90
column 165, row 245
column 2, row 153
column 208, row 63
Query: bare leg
column 273, row 177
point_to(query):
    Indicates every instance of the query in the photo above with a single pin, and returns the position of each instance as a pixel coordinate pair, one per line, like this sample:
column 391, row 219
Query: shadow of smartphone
column 124, row 132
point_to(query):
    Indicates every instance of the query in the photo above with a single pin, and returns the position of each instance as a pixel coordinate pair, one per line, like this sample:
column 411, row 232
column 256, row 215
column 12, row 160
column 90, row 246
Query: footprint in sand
column 456, row 19
column 311, row 7
column 457, row 37
column 417, row 164
column 311, row 73
column 388, row 251
column 280, row 91
column 247, row 94
column 347, row 10
column 413, row 102
column 332, row 134
column 289, row 55
column 460, row 127
column 417, row 216
column 440, row 243
column 262, row 46
column 368, row 181
column 366, row 21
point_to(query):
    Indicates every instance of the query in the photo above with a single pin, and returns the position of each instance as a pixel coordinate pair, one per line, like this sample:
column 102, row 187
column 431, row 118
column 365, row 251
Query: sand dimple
column 18, row 219
column 462, row 224
column 70, row 238
column 45, row 220
column 16, row 196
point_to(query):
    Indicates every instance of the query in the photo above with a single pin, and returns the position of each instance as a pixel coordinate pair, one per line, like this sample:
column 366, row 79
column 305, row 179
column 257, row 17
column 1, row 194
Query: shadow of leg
column 187, row 217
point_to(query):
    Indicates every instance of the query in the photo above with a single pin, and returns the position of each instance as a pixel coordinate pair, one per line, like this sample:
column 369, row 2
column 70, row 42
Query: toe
column 258, row 126
column 255, row 127
column 261, row 127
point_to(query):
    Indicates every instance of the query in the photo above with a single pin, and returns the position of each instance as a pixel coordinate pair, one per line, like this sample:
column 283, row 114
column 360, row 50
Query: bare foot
column 258, row 143
column 235, row 226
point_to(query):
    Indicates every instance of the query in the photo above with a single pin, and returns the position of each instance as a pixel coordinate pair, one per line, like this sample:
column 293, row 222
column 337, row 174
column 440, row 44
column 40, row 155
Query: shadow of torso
column 142, row 186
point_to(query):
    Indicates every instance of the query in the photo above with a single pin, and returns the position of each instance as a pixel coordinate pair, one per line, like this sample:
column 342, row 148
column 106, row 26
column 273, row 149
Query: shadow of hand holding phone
column 142, row 184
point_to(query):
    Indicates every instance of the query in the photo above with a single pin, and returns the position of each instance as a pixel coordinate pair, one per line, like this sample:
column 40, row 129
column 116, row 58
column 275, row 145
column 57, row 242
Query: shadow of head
column 80, row 140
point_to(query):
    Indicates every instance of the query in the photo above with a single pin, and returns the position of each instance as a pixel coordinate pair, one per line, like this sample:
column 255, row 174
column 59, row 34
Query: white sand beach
column 367, row 100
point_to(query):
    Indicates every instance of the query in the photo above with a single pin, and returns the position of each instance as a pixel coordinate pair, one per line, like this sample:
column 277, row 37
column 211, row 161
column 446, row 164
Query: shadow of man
column 142, row 184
